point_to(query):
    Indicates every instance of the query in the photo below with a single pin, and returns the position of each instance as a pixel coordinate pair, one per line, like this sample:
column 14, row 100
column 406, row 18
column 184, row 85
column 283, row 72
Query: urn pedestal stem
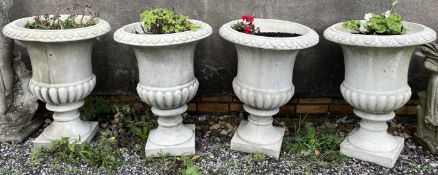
column 67, row 123
column 171, row 136
column 371, row 141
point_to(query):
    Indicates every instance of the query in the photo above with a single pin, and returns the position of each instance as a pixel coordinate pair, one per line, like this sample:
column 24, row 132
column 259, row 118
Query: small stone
column 202, row 118
column 241, row 115
column 223, row 117
column 210, row 155
column 229, row 126
column 216, row 126
column 224, row 132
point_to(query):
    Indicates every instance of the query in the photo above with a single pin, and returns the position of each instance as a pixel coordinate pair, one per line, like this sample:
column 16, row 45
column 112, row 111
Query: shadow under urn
column 167, row 83
column 264, row 80
column 376, row 84
column 62, row 75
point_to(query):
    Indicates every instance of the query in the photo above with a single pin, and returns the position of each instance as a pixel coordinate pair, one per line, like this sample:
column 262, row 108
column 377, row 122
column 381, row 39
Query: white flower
column 387, row 13
column 362, row 27
column 368, row 16
column 394, row 2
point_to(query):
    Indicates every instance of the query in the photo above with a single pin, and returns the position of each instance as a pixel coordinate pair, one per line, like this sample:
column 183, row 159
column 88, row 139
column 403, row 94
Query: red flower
column 249, row 18
column 247, row 29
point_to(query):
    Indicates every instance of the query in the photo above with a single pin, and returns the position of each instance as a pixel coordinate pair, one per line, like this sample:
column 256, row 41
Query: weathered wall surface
column 318, row 71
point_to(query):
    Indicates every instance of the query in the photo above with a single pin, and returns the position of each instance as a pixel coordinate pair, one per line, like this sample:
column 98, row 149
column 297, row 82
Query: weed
column 190, row 167
column 321, row 148
column 101, row 155
column 257, row 157
column 131, row 127
column 95, row 107
column 234, row 166
column 5, row 170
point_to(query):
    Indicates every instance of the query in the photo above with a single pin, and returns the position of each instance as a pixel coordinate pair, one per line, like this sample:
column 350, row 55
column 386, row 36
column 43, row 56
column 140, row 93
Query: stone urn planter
column 167, row 83
column 62, row 75
column 376, row 84
column 264, row 80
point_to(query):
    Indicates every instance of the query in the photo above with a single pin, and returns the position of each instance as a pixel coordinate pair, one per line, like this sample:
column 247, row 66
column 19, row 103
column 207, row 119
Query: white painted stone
column 62, row 75
column 167, row 83
column 185, row 148
column 272, row 150
column 264, row 80
column 376, row 84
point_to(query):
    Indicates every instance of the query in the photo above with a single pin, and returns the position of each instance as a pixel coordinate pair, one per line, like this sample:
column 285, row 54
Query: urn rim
column 16, row 30
column 125, row 35
column 307, row 39
column 417, row 34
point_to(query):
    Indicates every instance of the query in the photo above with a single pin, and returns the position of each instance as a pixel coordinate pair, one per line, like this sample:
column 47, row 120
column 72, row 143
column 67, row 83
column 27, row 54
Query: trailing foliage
column 246, row 25
column 78, row 17
column 163, row 21
column 388, row 23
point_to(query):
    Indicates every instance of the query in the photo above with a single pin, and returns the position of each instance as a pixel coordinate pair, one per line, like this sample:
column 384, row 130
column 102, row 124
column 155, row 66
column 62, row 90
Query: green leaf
column 353, row 25
column 160, row 21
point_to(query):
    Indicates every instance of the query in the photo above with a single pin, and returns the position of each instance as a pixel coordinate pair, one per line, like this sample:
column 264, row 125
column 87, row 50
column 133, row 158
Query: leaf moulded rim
column 125, row 35
column 16, row 30
column 417, row 35
column 307, row 39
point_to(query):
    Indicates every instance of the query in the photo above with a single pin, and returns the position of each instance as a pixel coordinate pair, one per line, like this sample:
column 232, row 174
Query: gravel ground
column 215, row 157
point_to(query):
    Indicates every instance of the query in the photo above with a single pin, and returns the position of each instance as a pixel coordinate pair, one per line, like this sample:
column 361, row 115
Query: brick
column 339, row 101
column 407, row 110
column 322, row 100
column 212, row 107
column 227, row 98
column 236, row 107
column 235, row 99
column 196, row 99
column 218, row 98
column 413, row 102
column 287, row 109
column 293, row 101
column 341, row 109
column 192, row 107
column 311, row 109
column 123, row 98
column 210, row 98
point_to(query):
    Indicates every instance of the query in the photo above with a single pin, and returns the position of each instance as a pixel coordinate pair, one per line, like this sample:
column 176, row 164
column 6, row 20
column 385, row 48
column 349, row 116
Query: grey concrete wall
column 318, row 71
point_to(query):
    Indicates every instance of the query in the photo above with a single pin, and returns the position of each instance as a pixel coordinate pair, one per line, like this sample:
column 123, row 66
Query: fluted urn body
column 264, row 80
column 62, row 75
column 167, row 83
column 376, row 84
